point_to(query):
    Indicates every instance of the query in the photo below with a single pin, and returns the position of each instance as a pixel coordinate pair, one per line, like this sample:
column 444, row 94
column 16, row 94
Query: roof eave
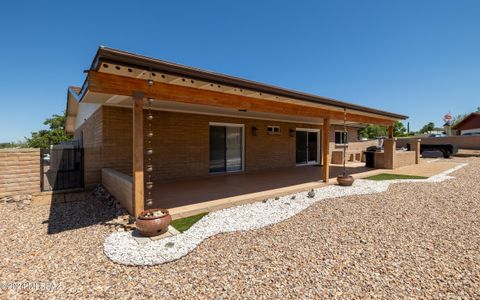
column 465, row 120
column 71, row 112
column 105, row 54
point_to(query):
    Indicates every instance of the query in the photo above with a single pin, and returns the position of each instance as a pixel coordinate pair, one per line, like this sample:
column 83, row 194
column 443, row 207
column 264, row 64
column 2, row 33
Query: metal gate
column 61, row 169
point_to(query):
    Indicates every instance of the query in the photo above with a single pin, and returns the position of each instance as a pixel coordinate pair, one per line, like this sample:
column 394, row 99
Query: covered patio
column 187, row 197
column 123, row 80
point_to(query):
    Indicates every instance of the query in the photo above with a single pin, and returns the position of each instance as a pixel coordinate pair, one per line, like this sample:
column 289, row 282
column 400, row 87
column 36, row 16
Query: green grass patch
column 185, row 223
column 384, row 176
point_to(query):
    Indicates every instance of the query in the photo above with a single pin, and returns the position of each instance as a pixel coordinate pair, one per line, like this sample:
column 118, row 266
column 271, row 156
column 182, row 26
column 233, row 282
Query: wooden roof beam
column 121, row 85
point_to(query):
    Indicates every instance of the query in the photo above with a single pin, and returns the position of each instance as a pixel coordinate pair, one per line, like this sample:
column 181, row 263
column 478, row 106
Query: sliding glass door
column 217, row 149
column 226, row 148
column 307, row 147
column 312, row 138
column 233, row 149
column 301, row 147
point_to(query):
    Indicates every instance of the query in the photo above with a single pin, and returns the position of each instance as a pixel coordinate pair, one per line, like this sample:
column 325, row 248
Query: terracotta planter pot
column 153, row 226
column 345, row 180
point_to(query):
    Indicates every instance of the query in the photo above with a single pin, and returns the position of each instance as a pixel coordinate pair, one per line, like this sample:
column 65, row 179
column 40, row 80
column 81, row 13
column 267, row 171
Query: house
column 141, row 119
column 470, row 125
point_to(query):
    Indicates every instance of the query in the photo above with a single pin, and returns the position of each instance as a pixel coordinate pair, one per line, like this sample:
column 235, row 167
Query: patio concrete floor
column 188, row 197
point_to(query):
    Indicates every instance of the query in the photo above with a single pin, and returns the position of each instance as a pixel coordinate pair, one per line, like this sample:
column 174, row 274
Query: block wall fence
column 19, row 171
column 463, row 142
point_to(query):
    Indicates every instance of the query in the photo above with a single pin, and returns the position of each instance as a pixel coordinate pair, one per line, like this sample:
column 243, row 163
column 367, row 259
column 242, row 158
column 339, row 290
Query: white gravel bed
column 121, row 247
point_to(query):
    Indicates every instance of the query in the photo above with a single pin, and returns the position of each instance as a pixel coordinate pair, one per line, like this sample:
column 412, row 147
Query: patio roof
column 109, row 55
column 119, row 78
column 128, row 71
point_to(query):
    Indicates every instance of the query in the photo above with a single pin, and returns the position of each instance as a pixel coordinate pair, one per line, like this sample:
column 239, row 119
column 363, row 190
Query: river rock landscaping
column 123, row 248
column 409, row 239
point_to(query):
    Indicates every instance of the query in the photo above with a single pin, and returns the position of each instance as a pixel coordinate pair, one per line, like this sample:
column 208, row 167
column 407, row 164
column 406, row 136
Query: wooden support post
column 415, row 146
column 138, row 176
column 390, row 132
column 326, row 149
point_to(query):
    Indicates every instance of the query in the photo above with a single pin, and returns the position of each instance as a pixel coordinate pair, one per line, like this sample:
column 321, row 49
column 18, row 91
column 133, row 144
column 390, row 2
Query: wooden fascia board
column 121, row 85
column 71, row 112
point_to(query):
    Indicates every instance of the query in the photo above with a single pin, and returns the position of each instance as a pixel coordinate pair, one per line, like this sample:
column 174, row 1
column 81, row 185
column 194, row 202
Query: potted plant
column 344, row 179
column 153, row 222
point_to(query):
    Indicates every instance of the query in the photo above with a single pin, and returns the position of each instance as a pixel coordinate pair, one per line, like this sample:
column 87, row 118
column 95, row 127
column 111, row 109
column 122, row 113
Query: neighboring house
column 204, row 123
column 470, row 125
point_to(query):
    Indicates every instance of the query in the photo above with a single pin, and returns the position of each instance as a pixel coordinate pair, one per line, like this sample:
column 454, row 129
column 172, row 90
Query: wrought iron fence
column 61, row 169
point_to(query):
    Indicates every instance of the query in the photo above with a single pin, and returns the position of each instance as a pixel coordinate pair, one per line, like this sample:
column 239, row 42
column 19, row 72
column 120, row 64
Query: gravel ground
column 419, row 240
column 121, row 247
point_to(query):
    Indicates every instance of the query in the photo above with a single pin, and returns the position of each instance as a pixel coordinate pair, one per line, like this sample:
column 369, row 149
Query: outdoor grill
column 370, row 155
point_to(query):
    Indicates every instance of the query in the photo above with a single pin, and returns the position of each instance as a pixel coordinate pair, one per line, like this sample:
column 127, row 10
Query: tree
column 399, row 129
column 428, row 127
column 17, row 144
column 7, row 145
column 51, row 136
column 373, row 131
column 377, row 131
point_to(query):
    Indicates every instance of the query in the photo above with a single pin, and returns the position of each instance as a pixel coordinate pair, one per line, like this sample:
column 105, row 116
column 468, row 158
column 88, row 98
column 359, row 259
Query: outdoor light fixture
column 254, row 130
column 292, row 132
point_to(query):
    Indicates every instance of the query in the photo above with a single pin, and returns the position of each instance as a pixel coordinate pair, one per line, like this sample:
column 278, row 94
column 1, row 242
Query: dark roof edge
column 135, row 60
column 466, row 119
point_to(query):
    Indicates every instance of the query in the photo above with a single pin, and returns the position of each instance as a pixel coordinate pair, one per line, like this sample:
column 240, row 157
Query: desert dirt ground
column 419, row 240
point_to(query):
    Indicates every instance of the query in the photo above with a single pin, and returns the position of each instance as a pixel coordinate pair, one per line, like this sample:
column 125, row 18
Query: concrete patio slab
column 189, row 197
column 185, row 198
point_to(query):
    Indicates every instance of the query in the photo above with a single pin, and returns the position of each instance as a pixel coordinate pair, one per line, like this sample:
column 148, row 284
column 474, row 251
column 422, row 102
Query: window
column 273, row 129
column 341, row 138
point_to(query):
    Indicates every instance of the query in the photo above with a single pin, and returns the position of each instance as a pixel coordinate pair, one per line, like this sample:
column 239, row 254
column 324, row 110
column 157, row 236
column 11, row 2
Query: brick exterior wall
column 117, row 139
column 402, row 159
column 354, row 148
column 181, row 143
column 19, row 171
column 352, row 136
column 90, row 135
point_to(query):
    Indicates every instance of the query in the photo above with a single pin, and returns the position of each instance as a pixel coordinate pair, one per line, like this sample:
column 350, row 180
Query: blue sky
column 419, row 58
